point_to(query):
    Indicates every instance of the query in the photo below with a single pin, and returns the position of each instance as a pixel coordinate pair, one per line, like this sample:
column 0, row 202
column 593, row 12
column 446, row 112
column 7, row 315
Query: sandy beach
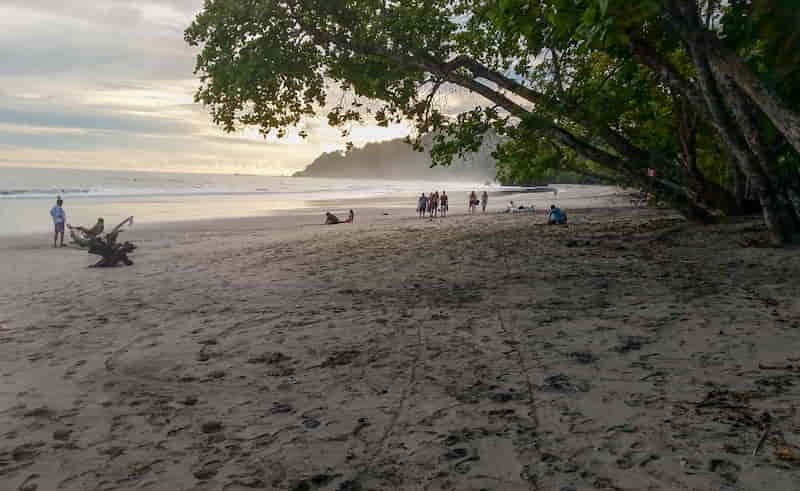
column 628, row 350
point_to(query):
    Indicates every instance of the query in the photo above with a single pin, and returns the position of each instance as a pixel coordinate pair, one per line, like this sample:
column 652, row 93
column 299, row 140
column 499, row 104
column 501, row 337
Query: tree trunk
column 707, row 199
column 777, row 218
column 741, row 187
column 724, row 60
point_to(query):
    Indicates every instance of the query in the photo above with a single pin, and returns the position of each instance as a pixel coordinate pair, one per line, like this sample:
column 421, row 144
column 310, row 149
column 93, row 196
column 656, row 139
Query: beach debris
column 584, row 357
column 787, row 454
column 26, row 451
column 763, row 438
column 502, row 397
column 249, row 482
column 311, row 423
column 61, row 434
column 578, row 243
column 281, row 408
column 28, row 486
column 455, row 453
column 630, row 343
column 350, row 486
column 189, row 401
column 625, row 428
column 648, row 459
column 789, row 367
column 211, row 427
column 281, row 372
column 549, row 458
column 463, row 467
column 208, row 470
column 340, row 358
column 562, row 383
column 502, row 413
column 217, row 374
column 269, row 358
column 777, row 383
column 40, row 412
column 722, row 466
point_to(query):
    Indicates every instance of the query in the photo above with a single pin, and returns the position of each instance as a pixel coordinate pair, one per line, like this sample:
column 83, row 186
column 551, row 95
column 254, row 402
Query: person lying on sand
column 556, row 216
column 82, row 235
column 331, row 219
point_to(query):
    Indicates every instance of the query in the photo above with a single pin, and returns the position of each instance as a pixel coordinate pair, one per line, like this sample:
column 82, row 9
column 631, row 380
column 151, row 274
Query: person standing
column 59, row 221
column 473, row 201
column 422, row 205
column 443, row 203
column 484, row 200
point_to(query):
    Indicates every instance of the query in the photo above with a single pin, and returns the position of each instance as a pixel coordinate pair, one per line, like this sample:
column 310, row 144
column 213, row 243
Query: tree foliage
column 703, row 93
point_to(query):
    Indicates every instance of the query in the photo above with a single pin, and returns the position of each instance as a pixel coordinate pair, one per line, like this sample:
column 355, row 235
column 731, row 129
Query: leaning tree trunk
column 785, row 119
column 707, row 199
column 725, row 60
column 744, row 116
column 778, row 220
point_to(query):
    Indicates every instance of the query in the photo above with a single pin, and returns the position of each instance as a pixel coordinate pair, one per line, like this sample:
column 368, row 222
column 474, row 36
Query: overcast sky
column 109, row 84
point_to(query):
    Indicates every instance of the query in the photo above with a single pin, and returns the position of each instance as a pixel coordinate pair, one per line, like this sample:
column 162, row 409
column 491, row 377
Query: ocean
column 26, row 195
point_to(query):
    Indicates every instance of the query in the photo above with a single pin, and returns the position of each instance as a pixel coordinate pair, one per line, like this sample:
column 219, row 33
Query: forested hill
column 395, row 159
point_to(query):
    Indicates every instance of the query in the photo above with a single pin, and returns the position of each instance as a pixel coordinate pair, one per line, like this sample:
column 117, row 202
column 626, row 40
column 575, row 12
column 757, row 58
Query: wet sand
column 628, row 350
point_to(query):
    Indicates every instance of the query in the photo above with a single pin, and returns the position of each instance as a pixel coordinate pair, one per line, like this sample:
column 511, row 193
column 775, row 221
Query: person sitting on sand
column 511, row 208
column 556, row 216
column 331, row 219
column 82, row 235
column 351, row 217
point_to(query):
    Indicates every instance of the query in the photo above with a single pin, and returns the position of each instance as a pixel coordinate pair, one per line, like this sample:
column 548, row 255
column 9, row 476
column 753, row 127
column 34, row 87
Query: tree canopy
column 702, row 92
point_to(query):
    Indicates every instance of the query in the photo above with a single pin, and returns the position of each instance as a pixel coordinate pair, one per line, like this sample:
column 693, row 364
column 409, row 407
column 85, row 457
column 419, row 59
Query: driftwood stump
column 111, row 252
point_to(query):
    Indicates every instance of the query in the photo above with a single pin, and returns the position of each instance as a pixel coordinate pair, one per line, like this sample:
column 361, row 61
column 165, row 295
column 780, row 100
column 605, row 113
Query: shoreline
column 627, row 350
column 399, row 205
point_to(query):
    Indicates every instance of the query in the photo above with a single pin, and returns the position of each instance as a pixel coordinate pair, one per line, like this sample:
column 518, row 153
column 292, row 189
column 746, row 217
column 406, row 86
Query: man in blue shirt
column 556, row 217
column 59, row 220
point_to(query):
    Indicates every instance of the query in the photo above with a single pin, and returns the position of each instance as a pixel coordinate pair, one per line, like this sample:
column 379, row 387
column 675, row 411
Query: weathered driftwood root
column 112, row 253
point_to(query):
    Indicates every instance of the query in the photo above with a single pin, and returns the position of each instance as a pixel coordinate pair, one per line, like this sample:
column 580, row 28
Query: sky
column 109, row 84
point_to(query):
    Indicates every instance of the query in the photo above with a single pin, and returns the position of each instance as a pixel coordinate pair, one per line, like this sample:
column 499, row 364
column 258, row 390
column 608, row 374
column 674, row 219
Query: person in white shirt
column 59, row 220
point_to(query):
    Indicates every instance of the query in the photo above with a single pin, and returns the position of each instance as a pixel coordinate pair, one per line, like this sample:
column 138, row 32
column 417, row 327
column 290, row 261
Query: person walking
column 473, row 201
column 59, row 221
column 484, row 200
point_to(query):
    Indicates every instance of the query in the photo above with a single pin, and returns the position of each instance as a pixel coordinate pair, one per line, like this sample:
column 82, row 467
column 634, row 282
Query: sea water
column 26, row 195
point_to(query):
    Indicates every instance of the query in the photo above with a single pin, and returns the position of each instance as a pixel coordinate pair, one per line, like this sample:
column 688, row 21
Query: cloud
column 109, row 83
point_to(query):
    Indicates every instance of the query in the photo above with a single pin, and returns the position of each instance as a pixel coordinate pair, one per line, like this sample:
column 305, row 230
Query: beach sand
column 628, row 350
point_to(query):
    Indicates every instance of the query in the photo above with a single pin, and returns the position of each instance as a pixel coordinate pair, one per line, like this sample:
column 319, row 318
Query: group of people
column 81, row 236
column 433, row 204
column 474, row 202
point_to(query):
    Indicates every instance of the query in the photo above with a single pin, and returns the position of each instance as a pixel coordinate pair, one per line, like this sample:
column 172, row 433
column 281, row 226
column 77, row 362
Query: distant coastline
column 397, row 160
